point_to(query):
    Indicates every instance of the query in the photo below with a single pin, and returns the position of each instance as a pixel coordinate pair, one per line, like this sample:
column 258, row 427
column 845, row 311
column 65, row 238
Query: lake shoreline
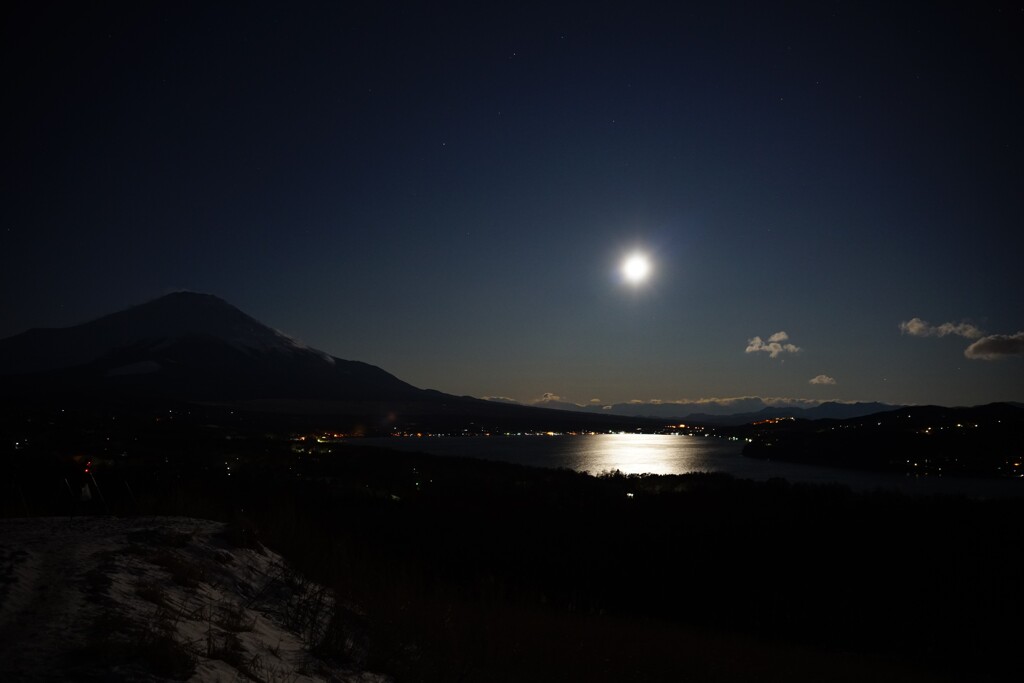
column 684, row 454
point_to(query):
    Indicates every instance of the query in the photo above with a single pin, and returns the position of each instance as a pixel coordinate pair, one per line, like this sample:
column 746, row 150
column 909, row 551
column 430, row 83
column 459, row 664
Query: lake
column 680, row 454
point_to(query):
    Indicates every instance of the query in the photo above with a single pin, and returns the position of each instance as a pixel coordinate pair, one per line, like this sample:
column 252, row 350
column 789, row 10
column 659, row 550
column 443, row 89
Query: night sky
column 831, row 194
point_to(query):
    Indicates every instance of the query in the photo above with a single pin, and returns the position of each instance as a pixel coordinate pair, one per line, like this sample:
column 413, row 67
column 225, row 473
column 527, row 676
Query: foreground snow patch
column 158, row 598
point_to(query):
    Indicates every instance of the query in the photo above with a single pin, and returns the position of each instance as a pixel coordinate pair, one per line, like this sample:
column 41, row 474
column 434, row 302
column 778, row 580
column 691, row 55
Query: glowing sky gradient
column 830, row 193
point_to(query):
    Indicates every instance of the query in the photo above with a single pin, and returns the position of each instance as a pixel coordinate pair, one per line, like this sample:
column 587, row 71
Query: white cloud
column 822, row 379
column 991, row 347
column 965, row 330
column 916, row 327
column 500, row 399
column 996, row 346
column 738, row 403
column 552, row 400
column 773, row 347
column 783, row 401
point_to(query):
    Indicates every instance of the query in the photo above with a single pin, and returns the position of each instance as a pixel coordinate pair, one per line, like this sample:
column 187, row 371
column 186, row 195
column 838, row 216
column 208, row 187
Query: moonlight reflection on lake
column 596, row 453
column 650, row 453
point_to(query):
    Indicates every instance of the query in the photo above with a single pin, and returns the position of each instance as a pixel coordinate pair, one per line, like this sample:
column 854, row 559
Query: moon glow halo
column 636, row 268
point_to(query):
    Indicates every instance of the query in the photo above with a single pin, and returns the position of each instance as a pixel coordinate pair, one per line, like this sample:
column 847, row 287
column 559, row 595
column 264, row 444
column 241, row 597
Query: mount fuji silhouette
column 190, row 346
column 197, row 348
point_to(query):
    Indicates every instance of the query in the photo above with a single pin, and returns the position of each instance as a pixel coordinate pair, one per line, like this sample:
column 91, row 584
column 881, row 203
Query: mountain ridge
column 668, row 410
column 193, row 346
column 189, row 347
column 175, row 315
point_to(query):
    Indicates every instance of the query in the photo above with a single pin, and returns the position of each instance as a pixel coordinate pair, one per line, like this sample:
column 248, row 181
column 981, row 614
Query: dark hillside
column 922, row 440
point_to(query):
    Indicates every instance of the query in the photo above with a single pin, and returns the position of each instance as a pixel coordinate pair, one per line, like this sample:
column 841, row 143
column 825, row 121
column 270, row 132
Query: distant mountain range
column 734, row 412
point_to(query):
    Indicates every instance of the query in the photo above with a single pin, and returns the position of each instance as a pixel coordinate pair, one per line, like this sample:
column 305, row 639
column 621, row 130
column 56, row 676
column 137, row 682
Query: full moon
column 636, row 268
